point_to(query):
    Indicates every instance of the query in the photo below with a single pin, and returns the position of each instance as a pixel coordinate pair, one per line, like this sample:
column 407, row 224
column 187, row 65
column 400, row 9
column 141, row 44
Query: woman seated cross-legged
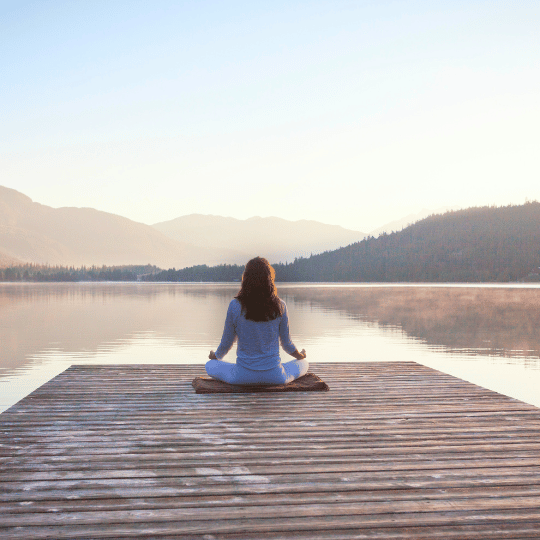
column 258, row 319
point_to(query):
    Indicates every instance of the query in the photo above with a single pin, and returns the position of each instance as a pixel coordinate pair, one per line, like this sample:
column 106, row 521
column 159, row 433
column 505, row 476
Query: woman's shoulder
column 235, row 309
column 235, row 305
column 283, row 307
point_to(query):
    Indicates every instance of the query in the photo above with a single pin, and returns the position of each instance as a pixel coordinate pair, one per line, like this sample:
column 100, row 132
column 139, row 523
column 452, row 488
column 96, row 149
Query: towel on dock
column 307, row 383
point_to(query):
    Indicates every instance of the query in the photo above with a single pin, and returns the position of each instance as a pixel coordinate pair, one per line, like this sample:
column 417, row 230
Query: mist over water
column 485, row 334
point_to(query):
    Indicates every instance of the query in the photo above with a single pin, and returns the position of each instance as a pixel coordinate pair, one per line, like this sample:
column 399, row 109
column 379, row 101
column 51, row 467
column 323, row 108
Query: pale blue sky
column 351, row 113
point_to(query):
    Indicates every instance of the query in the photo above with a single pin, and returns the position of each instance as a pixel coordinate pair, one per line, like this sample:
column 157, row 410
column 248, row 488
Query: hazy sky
column 347, row 112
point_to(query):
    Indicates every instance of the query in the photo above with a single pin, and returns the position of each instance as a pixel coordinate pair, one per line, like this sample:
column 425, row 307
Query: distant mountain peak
column 275, row 238
column 9, row 195
column 34, row 233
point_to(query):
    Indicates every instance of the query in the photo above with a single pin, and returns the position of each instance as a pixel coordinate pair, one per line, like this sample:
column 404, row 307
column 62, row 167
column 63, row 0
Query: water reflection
column 498, row 321
column 87, row 318
column 44, row 328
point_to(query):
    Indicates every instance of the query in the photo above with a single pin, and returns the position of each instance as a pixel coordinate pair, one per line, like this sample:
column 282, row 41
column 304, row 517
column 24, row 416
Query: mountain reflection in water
column 500, row 321
column 44, row 328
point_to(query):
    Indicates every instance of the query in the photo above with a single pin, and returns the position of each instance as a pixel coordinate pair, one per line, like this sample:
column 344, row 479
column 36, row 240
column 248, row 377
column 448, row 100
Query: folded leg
column 223, row 371
column 236, row 374
column 295, row 369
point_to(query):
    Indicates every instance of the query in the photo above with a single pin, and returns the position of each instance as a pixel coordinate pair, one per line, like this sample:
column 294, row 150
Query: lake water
column 488, row 334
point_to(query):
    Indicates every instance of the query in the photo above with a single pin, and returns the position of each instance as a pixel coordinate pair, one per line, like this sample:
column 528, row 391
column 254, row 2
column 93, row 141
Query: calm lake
column 486, row 334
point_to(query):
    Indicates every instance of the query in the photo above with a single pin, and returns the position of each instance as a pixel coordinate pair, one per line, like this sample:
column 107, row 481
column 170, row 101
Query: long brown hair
column 258, row 294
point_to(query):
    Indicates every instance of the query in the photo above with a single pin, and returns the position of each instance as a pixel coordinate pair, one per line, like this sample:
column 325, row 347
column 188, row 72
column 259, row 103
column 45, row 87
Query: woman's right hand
column 212, row 355
column 300, row 355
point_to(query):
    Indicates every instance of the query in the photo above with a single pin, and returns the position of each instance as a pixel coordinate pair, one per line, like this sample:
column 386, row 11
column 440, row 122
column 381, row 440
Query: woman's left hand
column 212, row 355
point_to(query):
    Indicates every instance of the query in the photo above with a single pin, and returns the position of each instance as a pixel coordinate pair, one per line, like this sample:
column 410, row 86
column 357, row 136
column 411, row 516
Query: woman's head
column 259, row 275
column 258, row 294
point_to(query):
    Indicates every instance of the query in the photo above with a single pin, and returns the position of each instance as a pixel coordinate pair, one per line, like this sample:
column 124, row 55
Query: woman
column 257, row 317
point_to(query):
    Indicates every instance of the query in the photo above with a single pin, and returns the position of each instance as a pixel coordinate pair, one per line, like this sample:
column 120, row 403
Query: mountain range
column 279, row 240
column 475, row 244
column 482, row 244
column 34, row 233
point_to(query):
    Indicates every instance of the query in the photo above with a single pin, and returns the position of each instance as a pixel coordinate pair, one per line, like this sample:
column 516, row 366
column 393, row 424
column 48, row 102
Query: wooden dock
column 393, row 451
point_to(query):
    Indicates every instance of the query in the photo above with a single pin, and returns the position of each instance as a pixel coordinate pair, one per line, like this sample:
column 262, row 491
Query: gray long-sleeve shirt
column 258, row 342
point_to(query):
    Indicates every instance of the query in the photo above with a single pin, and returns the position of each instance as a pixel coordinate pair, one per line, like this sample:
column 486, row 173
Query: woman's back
column 258, row 341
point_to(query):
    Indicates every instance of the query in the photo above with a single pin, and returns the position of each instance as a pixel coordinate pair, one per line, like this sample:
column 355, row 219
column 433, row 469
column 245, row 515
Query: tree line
column 46, row 273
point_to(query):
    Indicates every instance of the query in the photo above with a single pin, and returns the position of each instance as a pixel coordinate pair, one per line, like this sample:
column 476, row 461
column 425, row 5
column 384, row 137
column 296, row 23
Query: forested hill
column 472, row 245
column 477, row 244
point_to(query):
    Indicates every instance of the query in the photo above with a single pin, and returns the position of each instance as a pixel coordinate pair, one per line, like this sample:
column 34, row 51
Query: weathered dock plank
column 393, row 451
